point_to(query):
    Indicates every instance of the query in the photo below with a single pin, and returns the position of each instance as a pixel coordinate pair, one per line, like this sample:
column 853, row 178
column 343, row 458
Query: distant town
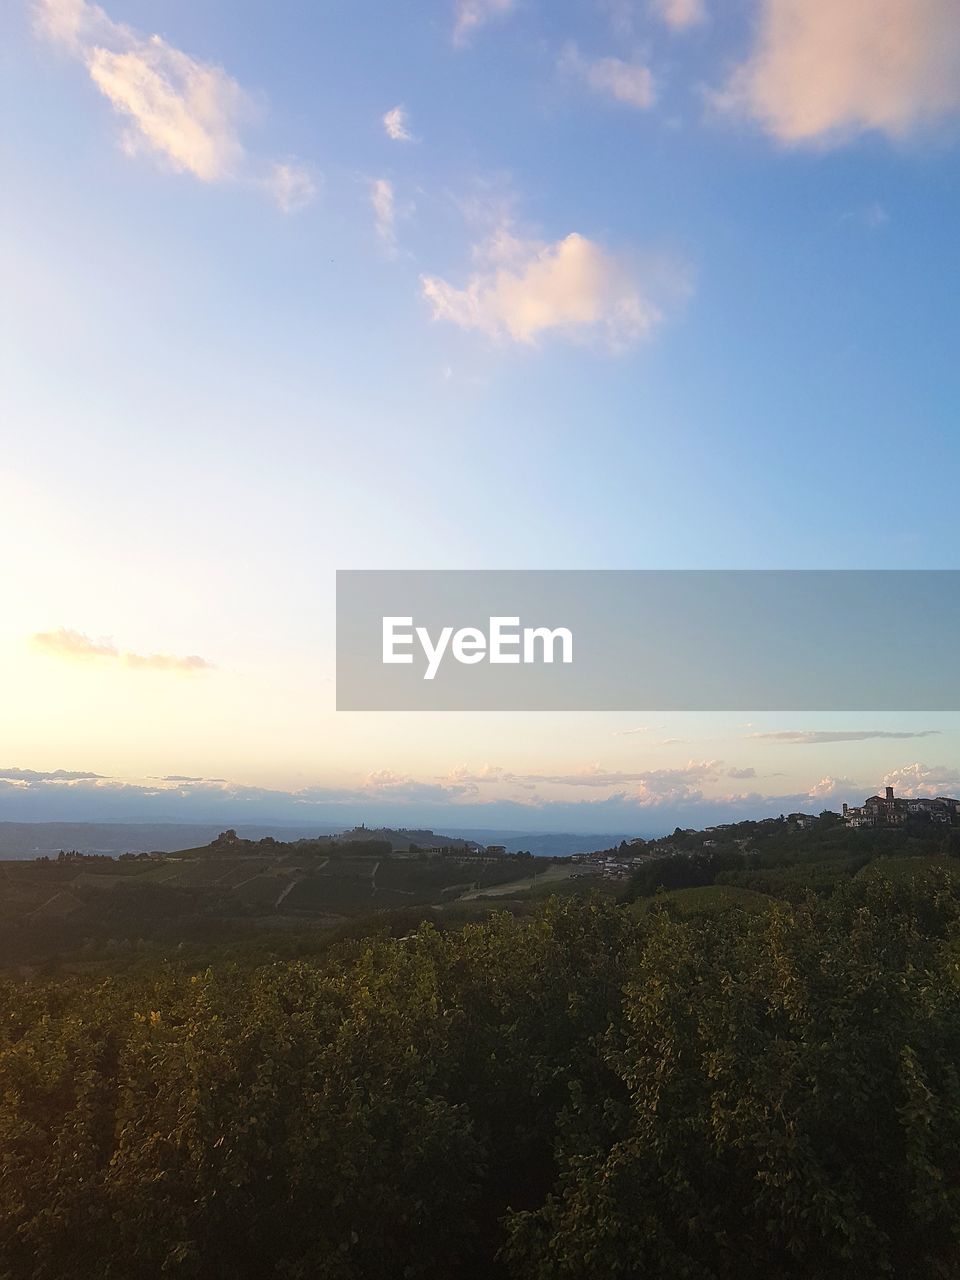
column 889, row 810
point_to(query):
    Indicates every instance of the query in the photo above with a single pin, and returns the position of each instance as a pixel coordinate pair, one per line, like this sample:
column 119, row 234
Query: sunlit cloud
column 824, row 70
column 398, row 786
column 629, row 83
column 396, row 124
column 184, row 112
column 924, row 780
column 76, row 646
column 680, row 14
column 828, row 788
column 472, row 14
column 486, row 773
column 522, row 290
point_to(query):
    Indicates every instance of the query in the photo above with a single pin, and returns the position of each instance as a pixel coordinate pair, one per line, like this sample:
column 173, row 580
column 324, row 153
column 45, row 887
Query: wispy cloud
column 741, row 773
column 383, row 199
column 629, row 83
column 873, row 216
column 472, row 14
column 809, row 737
column 75, row 646
column 522, row 290
column 396, row 124
column 824, row 70
column 187, row 113
column 292, row 185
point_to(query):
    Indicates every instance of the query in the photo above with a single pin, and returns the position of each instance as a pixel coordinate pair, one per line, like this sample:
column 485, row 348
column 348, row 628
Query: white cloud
column 680, row 14
column 828, row 787
column 396, row 123
column 185, row 112
column 828, row 69
column 180, row 108
column 486, row 773
column 472, row 14
column 384, row 211
column 524, row 289
column 924, row 780
column 630, row 83
column 394, row 786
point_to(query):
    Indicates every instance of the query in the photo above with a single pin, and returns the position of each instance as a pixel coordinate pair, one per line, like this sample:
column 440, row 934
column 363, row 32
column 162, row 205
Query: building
column 803, row 820
column 894, row 811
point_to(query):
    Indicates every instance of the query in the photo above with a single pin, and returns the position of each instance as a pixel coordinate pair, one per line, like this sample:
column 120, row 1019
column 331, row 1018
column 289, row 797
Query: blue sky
column 486, row 284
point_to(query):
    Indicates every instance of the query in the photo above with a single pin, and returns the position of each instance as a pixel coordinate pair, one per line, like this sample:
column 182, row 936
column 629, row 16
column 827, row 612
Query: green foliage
column 714, row 1086
column 792, row 1109
column 372, row 1116
column 711, row 899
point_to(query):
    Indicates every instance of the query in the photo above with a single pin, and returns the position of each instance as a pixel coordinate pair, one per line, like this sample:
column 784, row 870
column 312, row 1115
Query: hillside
column 238, row 891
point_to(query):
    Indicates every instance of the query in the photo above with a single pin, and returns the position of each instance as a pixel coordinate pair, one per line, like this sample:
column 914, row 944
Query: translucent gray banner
column 711, row 640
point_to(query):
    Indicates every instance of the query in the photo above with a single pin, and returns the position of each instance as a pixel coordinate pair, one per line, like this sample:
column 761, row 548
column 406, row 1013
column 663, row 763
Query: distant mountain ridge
column 34, row 839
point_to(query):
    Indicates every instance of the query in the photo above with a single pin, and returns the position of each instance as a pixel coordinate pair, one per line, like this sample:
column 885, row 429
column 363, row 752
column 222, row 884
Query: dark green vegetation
column 713, row 1081
column 778, row 858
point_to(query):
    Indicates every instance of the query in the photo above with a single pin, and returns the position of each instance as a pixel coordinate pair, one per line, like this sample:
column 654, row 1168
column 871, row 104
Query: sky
column 456, row 284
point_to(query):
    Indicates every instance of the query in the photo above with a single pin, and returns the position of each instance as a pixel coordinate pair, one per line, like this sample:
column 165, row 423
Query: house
column 803, row 820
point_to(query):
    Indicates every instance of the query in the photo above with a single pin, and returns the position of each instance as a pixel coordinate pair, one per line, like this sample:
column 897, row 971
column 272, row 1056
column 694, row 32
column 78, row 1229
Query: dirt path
column 551, row 876
column 287, row 889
